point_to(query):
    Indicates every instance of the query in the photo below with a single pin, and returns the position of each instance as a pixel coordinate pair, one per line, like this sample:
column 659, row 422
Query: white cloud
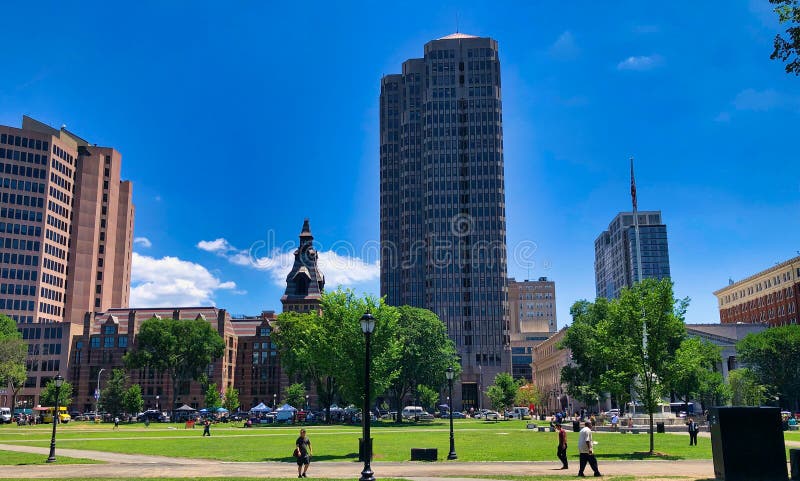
column 143, row 241
column 764, row 100
column 338, row 268
column 170, row 281
column 565, row 46
column 218, row 245
column 640, row 63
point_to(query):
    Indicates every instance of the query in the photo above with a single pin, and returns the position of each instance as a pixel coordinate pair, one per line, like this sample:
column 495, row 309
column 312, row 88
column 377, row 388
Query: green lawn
column 791, row 435
column 475, row 441
column 9, row 458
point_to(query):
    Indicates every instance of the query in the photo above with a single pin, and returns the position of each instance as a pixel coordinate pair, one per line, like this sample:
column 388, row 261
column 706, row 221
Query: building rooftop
column 456, row 35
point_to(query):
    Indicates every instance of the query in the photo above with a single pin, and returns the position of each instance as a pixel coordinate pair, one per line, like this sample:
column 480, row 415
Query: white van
column 521, row 412
column 5, row 415
column 411, row 412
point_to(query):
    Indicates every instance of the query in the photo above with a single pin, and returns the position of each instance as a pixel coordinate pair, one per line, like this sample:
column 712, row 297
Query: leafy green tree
column 692, row 373
column 788, row 49
column 774, row 356
column 48, row 395
column 111, row 397
column 745, row 388
column 231, row 402
column 503, row 392
column 13, row 352
column 425, row 354
column 132, row 400
column 584, row 376
column 295, row 395
column 329, row 350
column 428, row 397
column 648, row 308
column 181, row 349
column 212, row 397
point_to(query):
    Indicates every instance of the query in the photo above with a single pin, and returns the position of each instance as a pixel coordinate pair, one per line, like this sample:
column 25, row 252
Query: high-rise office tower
column 443, row 229
column 615, row 252
column 66, row 223
column 532, row 320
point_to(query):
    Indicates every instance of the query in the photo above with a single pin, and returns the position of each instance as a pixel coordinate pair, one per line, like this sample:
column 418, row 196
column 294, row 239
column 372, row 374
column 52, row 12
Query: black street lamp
column 367, row 326
column 274, row 401
column 59, row 382
column 452, row 454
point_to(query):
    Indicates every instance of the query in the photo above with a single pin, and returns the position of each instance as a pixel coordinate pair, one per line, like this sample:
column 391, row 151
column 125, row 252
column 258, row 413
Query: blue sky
column 236, row 122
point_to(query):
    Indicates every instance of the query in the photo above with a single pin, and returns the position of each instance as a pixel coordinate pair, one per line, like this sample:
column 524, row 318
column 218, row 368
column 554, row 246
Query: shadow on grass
column 640, row 455
column 324, row 457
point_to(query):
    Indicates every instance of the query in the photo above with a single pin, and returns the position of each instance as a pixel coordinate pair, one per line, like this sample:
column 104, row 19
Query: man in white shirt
column 586, row 450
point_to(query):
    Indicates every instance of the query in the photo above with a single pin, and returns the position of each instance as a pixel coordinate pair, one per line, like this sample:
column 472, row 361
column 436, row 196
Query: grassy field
column 11, row 458
column 791, row 435
column 475, row 441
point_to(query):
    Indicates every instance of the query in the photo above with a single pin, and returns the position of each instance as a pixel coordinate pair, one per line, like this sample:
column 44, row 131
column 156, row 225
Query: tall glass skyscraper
column 443, row 226
column 615, row 252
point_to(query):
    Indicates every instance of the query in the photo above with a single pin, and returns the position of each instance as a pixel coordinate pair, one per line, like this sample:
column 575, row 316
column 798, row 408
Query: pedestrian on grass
column 207, row 428
column 614, row 422
column 586, row 450
column 116, row 423
column 694, row 428
column 304, row 452
column 562, row 445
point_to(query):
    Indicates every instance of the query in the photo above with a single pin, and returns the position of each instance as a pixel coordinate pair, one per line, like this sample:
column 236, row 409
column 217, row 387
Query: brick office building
column 66, row 232
column 771, row 296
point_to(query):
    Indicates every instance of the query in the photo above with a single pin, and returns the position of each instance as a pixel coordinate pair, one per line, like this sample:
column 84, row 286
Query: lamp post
column 367, row 326
column 452, row 453
column 97, row 393
column 274, row 401
column 59, row 381
column 158, row 406
column 306, row 402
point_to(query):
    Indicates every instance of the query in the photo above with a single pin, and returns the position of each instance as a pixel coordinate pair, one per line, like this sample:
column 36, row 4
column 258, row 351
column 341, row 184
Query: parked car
column 152, row 415
column 456, row 415
column 5, row 415
column 487, row 414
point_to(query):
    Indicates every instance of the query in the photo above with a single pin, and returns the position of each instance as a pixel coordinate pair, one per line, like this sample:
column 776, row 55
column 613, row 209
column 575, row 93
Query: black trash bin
column 659, row 427
column 740, row 435
column 576, row 426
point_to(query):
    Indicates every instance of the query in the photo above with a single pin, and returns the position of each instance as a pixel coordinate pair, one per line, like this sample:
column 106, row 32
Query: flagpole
column 638, row 247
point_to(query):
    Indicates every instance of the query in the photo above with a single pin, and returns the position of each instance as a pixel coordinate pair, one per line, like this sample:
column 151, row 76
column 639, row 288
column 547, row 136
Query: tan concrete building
column 771, row 296
column 532, row 319
column 66, row 234
column 548, row 360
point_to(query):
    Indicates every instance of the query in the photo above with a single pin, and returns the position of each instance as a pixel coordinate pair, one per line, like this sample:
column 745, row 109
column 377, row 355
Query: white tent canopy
column 287, row 407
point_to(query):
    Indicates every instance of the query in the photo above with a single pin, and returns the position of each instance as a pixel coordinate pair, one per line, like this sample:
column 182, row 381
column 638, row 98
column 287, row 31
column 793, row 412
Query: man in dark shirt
column 562, row 445
column 694, row 428
column 304, row 449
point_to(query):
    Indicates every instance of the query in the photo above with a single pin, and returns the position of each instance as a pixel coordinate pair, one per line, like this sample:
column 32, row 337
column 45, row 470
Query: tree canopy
column 774, row 356
column 132, row 401
column 113, row 395
column 425, row 354
column 609, row 354
column 329, row 350
column 231, row 400
column 213, row 399
column 787, row 49
column 295, row 395
column 48, row 395
column 692, row 374
column 503, row 392
column 183, row 349
column 13, row 352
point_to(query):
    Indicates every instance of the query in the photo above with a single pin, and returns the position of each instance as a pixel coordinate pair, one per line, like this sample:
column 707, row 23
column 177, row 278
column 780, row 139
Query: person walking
column 562, row 445
column 694, row 428
column 586, row 450
column 304, row 452
column 116, row 423
column 207, row 428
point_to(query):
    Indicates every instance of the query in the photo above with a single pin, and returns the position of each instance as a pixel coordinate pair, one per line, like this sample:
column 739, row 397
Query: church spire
column 305, row 282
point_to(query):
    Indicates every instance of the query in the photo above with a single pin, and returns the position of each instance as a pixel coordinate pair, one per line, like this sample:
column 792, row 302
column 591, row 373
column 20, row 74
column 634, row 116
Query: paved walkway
column 136, row 466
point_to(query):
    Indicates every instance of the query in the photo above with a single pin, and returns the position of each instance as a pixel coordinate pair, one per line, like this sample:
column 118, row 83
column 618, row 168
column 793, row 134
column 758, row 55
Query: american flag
column 633, row 187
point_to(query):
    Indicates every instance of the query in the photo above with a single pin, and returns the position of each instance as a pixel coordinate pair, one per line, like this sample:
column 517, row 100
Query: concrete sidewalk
column 136, row 466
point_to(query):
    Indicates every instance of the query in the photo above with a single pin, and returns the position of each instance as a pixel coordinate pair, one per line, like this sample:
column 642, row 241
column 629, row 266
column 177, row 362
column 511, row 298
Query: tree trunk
column 651, row 434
